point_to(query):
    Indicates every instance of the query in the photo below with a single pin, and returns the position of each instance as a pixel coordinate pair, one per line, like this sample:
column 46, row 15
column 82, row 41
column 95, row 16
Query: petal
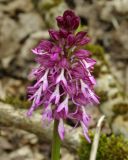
column 61, row 78
column 61, row 129
column 64, row 63
column 80, row 36
column 34, row 51
column 59, row 21
column 32, row 108
column 95, row 98
column 86, row 118
column 85, row 131
column 54, row 34
column 55, row 95
column 88, row 62
column 46, row 45
column 45, row 84
column 30, row 111
column 68, row 13
column 81, row 53
column 44, row 80
column 84, row 41
column 47, row 114
column 76, row 23
column 38, row 95
column 63, row 33
column 64, row 105
column 70, row 39
column 92, row 79
column 71, row 21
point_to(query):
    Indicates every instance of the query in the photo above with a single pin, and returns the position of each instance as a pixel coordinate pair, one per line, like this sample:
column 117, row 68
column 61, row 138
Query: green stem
column 56, row 142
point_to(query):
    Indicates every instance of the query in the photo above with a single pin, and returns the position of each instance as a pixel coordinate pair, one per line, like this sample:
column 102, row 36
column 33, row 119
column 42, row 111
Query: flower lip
column 61, row 78
column 86, row 118
column 44, row 80
column 47, row 114
column 55, row 95
column 64, row 105
column 85, row 131
column 88, row 62
column 88, row 93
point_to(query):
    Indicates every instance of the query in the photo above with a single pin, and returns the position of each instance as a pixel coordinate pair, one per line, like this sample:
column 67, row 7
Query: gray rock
column 8, row 44
column 25, row 153
column 28, row 23
column 16, row 5
column 120, row 125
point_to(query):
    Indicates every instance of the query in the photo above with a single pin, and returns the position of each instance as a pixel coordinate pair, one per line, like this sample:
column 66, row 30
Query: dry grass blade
column 96, row 139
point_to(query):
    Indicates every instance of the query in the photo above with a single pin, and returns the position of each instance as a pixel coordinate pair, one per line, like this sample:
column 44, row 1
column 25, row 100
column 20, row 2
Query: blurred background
column 23, row 23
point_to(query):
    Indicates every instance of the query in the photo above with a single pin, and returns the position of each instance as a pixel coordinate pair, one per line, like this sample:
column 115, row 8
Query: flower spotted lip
column 64, row 75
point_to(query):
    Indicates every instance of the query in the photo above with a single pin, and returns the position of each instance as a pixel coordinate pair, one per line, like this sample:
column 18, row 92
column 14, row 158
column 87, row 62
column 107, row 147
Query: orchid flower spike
column 64, row 75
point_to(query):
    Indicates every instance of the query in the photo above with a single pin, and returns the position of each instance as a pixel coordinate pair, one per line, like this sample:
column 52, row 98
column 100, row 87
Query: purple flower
column 64, row 75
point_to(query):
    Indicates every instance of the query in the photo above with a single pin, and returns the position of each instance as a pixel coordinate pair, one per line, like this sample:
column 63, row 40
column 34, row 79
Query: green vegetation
column 110, row 148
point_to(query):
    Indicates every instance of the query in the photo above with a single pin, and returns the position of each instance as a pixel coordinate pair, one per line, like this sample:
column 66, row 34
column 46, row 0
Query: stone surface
column 13, row 6
column 66, row 155
column 25, row 153
column 8, row 26
column 120, row 125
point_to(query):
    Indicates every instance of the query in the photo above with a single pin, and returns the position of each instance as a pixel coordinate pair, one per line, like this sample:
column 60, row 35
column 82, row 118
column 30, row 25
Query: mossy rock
column 17, row 102
column 110, row 148
column 103, row 96
column 97, row 51
column 120, row 108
